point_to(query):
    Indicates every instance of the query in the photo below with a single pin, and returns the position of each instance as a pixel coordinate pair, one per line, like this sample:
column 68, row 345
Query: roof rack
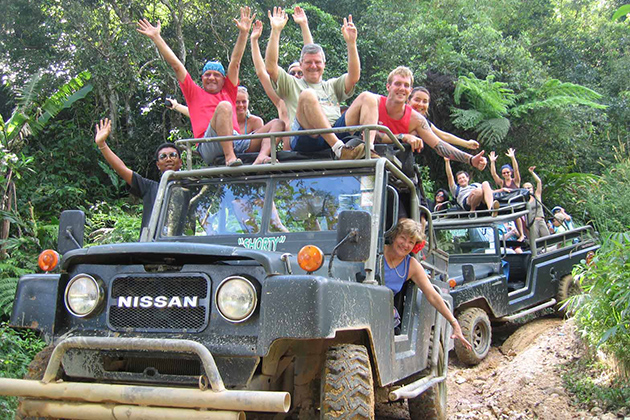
column 365, row 129
column 507, row 211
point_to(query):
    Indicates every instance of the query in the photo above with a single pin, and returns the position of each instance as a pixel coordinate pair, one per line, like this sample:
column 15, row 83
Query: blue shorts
column 210, row 151
column 315, row 144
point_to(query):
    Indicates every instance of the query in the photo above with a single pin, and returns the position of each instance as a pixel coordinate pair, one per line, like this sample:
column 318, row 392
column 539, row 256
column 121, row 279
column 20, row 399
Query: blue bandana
column 214, row 65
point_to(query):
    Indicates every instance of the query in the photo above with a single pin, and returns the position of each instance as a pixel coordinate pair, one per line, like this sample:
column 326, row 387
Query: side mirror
column 356, row 227
column 71, row 228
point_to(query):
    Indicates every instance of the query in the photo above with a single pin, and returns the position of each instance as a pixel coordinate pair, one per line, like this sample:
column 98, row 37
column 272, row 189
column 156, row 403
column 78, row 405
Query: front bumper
column 74, row 400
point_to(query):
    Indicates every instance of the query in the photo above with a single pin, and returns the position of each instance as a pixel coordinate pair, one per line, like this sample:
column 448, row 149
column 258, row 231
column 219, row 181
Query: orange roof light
column 310, row 258
column 48, row 260
column 452, row 283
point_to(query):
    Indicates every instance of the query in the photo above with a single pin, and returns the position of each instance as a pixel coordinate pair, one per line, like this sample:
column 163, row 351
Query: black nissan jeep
column 255, row 289
column 494, row 279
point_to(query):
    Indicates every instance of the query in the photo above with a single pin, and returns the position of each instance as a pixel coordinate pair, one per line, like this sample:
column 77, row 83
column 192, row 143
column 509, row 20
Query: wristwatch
column 400, row 137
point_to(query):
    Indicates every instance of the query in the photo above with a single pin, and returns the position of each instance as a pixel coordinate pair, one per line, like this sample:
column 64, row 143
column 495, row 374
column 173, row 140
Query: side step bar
column 527, row 311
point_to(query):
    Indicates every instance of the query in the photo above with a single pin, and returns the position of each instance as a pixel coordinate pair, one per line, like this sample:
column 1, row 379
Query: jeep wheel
column 566, row 288
column 431, row 404
column 476, row 328
column 36, row 370
column 347, row 391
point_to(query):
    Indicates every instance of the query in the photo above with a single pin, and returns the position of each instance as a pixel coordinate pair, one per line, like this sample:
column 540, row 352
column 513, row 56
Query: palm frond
column 493, row 131
column 556, row 94
column 27, row 95
column 491, row 98
column 74, row 90
column 466, row 119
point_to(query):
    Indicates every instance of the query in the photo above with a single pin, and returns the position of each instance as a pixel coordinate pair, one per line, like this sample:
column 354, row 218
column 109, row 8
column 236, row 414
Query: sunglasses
column 296, row 73
column 164, row 156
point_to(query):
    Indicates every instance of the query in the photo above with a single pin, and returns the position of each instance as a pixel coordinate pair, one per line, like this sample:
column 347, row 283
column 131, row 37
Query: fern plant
column 492, row 106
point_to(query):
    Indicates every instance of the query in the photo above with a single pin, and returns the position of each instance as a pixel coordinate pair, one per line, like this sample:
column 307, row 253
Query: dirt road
column 518, row 380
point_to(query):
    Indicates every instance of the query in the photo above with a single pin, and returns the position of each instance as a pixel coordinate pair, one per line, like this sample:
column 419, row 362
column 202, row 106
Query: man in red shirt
column 212, row 106
column 411, row 127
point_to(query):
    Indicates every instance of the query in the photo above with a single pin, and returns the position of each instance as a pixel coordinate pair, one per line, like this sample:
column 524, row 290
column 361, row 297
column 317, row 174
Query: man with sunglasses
column 168, row 158
column 212, row 106
column 295, row 70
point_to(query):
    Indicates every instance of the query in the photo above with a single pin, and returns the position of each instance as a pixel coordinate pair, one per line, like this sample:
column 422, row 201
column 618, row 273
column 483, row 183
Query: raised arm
column 493, row 169
column 299, row 17
column 349, row 32
column 538, row 183
column 511, row 153
column 449, row 174
column 243, row 25
column 277, row 20
column 417, row 274
column 176, row 106
column 103, row 128
column 453, row 139
column 259, row 64
column 419, row 126
column 153, row 32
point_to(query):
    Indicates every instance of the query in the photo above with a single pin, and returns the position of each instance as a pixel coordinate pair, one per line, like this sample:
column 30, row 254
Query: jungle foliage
column 549, row 79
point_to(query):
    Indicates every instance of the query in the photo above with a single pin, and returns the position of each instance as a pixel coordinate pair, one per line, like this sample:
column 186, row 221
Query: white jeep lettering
column 175, row 301
column 160, row 301
column 157, row 302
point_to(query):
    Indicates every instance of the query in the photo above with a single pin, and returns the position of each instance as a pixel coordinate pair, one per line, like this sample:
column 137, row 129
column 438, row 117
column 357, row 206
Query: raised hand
column 478, row 161
column 278, row 19
column 145, row 28
column 246, row 19
column 473, row 144
column 510, row 153
column 256, row 30
column 299, row 16
column 493, row 156
column 103, row 128
column 348, row 30
column 531, row 169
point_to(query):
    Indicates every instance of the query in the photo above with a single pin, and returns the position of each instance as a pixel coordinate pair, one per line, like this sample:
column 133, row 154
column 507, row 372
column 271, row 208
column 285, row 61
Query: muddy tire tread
column 468, row 319
column 347, row 386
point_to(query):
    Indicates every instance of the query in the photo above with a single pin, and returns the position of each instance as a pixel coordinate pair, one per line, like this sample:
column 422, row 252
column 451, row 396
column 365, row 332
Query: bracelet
column 101, row 148
column 470, row 161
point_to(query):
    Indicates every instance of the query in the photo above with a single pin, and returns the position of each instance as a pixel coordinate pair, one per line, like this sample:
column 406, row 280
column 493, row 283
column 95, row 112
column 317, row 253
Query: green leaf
column 622, row 11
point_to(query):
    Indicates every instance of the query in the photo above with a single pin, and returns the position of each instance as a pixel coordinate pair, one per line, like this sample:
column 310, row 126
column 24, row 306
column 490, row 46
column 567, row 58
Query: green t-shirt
column 330, row 93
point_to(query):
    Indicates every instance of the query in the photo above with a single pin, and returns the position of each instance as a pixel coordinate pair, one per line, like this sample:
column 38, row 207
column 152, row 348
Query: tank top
column 396, row 277
column 400, row 126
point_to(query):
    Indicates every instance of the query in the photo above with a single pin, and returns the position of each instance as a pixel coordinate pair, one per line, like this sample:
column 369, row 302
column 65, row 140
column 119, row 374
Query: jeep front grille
column 159, row 303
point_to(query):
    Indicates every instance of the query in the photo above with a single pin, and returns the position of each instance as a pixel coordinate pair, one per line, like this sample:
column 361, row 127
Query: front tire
column 477, row 330
column 567, row 288
column 432, row 403
column 347, row 390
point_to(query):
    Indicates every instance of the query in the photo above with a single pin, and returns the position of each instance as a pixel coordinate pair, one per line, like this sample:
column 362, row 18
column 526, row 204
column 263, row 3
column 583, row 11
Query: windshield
column 241, row 208
column 473, row 240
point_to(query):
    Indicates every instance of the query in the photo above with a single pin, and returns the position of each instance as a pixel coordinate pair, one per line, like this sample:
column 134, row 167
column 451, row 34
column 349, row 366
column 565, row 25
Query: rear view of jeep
column 256, row 290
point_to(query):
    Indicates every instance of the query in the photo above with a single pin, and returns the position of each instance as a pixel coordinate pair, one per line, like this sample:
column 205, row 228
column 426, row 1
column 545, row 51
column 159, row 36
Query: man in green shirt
column 314, row 103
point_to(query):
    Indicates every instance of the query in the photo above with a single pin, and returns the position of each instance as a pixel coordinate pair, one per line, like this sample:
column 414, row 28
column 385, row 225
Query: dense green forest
column 546, row 77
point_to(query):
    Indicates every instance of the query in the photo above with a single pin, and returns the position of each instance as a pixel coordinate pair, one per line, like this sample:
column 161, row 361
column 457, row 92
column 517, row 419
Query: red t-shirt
column 400, row 126
column 201, row 104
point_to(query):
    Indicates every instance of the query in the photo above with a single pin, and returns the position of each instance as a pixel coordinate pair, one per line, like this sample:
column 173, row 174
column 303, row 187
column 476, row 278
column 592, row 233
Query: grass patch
column 17, row 349
column 594, row 383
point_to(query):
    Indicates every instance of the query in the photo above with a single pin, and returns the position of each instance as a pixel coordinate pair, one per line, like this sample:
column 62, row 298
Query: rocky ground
column 520, row 379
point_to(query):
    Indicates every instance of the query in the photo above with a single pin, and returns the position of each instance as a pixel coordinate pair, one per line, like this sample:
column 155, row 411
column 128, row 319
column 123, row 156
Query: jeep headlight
column 83, row 295
column 236, row 299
